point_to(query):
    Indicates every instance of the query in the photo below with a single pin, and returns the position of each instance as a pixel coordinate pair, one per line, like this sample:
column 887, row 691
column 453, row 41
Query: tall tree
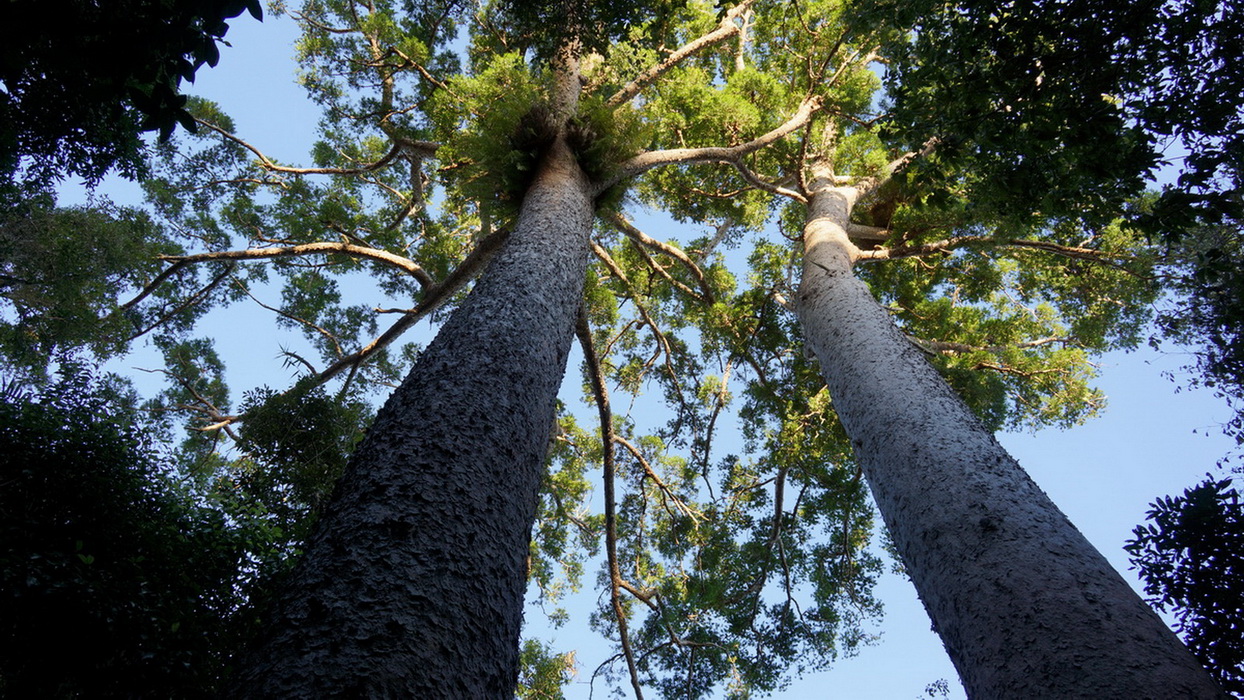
column 719, row 569
column 999, row 568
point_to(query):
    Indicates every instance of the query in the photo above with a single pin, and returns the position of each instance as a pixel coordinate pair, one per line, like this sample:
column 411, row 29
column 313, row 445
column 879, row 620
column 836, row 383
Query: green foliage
column 1206, row 268
column 116, row 581
column 547, row 25
column 543, row 672
column 62, row 274
column 1190, row 557
column 741, row 564
column 296, row 445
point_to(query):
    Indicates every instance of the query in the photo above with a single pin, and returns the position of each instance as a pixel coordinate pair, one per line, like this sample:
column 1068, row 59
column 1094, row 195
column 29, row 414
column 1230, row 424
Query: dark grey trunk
column 1024, row 604
column 413, row 584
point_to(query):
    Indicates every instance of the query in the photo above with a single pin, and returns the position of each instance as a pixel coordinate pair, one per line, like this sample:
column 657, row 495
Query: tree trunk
column 1024, row 604
column 413, row 585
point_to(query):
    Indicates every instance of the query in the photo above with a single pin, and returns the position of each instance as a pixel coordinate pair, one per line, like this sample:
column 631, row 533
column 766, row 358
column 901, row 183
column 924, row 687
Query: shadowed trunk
column 1024, row 604
column 413, row 584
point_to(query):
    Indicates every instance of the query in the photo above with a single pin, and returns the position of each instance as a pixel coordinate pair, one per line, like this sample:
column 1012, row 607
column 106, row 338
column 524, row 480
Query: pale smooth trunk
column 1025, row 605
column 413, row 584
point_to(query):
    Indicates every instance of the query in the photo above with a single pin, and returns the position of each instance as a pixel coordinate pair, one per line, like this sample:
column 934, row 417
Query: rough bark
column 1024, row 604
column 413, row 584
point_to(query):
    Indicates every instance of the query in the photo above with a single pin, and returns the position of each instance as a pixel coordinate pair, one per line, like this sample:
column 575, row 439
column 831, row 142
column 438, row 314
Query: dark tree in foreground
column 114, row 581
column 1191, row 558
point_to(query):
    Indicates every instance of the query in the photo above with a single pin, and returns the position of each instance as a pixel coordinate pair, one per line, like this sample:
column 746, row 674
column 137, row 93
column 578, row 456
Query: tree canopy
column 1003, row 227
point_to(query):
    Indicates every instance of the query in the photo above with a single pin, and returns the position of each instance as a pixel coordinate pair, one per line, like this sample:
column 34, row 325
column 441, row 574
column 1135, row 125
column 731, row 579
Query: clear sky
column 1152, row 440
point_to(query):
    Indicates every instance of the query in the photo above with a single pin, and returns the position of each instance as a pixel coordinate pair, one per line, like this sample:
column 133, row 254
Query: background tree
column 82, row 81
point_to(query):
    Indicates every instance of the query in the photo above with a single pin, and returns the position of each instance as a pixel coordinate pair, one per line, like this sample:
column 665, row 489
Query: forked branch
column 713, row 154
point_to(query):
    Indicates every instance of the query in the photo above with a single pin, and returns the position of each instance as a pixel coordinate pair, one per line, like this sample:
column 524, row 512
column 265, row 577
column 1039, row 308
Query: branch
column 628, row 229
column 433, row 298
column 322, row 247
column 151, row 286
column 607, row 436
column 947, row 245
column 935, row 347
column 296, row 319
column 870, row 184
column 194, row 299
column 267, row 163
column 712, row 154
column 725, row 29
column 860, row 232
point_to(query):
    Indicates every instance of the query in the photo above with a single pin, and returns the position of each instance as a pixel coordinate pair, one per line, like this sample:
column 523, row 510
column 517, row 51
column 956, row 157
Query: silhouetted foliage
column 115, row 581
column 1191, row 558
column 82, row 79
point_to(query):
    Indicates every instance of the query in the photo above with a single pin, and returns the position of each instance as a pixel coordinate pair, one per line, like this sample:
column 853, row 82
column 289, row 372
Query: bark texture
column 1025, row 605
column 413, row 585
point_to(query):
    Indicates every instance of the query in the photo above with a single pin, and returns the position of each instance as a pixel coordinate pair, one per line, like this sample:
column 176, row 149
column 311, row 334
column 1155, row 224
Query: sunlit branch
column 318, row 248
column 267, row 164
column 760, row 183
column 725, row 29
column 609, row 469
column 628, row 229
column 860, row 232
column 712, row 154
column 219, row 419
column 943, row 347
column 664, row 274
column 948, row 245
column 650, row 473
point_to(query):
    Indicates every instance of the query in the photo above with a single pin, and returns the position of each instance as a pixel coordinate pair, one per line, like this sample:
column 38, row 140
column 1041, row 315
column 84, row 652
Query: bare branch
column 296, row 319
column 947, row 245
column 627, row 228
column 194, row 299
column 713, row 154
column 267, row 164
column 609, row 469
column 319, row 248
column 725, row 29
column 433, row 298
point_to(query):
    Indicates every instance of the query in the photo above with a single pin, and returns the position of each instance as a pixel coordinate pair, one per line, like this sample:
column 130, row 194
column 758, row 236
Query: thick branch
column 726, row 29
column 433, row 297
column 320, row 248
column 713, row 154
column 870, row 184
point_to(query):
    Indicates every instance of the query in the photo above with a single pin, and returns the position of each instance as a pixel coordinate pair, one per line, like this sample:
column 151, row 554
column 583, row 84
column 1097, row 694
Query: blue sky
column 1152, row 440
